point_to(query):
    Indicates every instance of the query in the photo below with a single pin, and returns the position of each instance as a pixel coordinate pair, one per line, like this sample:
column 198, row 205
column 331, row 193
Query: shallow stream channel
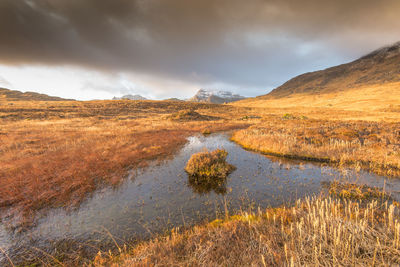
column 156, row 199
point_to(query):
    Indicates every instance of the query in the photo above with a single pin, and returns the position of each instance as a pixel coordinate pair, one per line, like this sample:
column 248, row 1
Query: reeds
column 314, row 232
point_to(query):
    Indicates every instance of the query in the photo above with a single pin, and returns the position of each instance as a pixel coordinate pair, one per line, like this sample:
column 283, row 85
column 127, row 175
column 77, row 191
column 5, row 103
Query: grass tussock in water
column 316, row 231
column 209, row 165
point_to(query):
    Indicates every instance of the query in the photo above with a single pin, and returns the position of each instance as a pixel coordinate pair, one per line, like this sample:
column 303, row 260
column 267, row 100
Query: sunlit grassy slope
column 369, row 84
column 383, row 97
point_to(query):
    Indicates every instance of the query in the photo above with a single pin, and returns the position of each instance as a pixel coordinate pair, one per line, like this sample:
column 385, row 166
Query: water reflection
column 204, row 186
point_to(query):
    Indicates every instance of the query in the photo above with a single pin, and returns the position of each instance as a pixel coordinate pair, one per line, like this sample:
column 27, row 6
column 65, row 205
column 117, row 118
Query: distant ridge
column 130, row 97
column 376, row 68
column 215, row 96
column 173, row 99
column 14, row 95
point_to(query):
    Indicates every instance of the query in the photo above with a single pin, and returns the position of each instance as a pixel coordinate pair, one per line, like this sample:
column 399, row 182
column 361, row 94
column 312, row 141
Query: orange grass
column 53, row 154
column 371, row 145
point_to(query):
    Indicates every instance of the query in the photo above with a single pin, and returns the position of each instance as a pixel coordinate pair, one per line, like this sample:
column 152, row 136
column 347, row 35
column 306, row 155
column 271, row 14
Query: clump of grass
column 209, row 165
column 190, row 115
column 355, row 191
column 249, row 117
column 206, row 132
column 208, row 171
column 289, row 116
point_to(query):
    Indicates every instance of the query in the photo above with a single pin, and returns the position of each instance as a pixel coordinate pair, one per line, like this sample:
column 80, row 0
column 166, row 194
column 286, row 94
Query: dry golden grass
column 369, row 102
column 360, row 98
column 315, row 232
column 53, row 154
column 371, row 145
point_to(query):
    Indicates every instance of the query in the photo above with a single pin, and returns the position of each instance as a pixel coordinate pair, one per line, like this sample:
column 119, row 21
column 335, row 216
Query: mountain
column 371, row 82
column 173, row 99
column 215, row 96
column 130, row 97
column 380, row 66
column 13, row 95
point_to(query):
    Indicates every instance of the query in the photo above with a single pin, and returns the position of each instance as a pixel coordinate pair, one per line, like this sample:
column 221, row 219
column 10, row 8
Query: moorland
column 56, row 153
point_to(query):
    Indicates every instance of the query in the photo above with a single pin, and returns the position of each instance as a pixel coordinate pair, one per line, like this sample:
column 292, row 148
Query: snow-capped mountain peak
column 215, row 96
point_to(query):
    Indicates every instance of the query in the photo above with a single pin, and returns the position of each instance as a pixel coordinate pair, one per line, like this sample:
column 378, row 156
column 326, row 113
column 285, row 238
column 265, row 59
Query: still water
column 161, row 196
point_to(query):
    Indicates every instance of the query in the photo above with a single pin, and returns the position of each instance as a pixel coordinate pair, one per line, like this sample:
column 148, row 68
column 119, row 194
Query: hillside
column 378, row 67
column 372, row 81
column 14, row 95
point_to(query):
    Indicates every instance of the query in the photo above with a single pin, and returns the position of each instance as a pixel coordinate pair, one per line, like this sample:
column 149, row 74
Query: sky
column 97, row 49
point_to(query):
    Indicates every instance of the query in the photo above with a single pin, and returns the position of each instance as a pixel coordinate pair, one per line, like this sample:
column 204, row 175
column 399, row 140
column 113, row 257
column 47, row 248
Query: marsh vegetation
column 62, row 156
column 374, row 146
column 315, row 231
column 56, row 153
column 356, row 191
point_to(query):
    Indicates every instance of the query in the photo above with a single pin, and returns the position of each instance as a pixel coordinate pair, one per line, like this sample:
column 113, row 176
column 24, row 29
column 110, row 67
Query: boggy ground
column 374, row 146
column 321, row 231
column 53, row 154
column 56, row 153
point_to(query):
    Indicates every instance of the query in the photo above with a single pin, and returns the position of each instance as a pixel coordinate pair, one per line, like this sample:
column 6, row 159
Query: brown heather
column 53, row 154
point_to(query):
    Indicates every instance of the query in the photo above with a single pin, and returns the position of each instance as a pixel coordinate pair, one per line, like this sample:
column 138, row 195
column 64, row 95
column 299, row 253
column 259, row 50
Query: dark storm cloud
column 244, row 43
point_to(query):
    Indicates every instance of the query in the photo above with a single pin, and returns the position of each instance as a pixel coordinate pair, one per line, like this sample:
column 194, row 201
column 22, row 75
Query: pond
column 161, row 196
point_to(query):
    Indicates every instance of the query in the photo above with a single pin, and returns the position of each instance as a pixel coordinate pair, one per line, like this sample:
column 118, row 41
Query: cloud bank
column 251, row 45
